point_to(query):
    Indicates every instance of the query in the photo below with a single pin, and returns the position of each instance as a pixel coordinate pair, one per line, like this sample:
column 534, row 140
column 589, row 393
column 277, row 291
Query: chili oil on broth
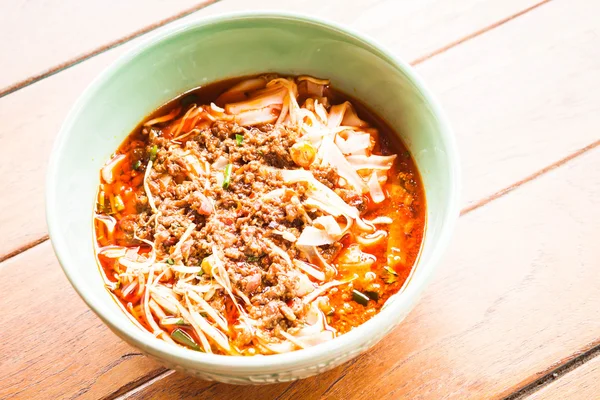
column 372, row 266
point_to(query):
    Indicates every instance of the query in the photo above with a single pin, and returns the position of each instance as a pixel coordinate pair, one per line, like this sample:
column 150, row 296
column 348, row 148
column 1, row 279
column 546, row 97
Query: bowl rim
column 385, row 320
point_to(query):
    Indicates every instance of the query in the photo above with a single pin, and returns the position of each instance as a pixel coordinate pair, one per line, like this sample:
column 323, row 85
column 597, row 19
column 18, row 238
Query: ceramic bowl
column 189, row 55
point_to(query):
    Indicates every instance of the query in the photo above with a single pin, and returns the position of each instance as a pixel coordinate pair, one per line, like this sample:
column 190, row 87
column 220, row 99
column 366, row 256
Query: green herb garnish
column 183, row 338
column 391, row 275
column 227, row 176
column 253, row 258
column 170, row 261
column 239, row 139
column 372, row 295
column 153, row 152
column 360, row 297
column 137, row 165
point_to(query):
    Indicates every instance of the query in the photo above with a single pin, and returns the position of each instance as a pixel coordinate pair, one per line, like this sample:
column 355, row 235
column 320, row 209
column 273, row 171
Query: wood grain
column 34, row 114
column 516, row 296
column 582, row 383
column 41, row 37
column 52, row 345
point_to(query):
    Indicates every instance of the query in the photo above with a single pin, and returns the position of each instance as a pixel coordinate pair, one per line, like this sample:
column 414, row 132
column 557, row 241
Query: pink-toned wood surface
column 583, row 383
column 515, row 297
column 41, row 37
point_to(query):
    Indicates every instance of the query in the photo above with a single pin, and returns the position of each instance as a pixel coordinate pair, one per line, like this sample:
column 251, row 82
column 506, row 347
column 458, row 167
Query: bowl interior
column 210, row 50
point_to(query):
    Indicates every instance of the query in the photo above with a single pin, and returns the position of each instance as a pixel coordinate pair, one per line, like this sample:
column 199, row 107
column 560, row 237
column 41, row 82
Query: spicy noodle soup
column 258, row 216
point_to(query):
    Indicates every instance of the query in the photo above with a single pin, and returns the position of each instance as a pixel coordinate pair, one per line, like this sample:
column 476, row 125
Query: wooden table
column 514, row 311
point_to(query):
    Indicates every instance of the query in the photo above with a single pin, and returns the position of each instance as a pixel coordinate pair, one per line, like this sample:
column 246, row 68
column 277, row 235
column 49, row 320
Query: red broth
column 395, row 255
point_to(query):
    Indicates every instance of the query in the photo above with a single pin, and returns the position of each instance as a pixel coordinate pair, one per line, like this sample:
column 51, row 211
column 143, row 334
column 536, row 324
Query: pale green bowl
column 211, row 49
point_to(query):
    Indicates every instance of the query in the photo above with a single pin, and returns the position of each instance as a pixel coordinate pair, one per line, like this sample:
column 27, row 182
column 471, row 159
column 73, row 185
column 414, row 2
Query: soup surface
column 258, row 216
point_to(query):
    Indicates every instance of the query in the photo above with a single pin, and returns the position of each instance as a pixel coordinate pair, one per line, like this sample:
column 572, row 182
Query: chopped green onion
column 153, row 152
column 227, row 176
column 203, row 314
column 239, row 139
column 173, row 321
column 360, row 297
column 372, row 295
column 170, row 261
column 137, row 165
column 183, row 338
column 119, row 205
column 253, row 258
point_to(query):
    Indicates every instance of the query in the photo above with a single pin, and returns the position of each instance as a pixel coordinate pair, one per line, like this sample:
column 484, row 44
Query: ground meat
column 236, row 219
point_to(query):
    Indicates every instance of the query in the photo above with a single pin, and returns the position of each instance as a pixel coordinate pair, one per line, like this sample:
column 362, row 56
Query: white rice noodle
column 277, row 347
column 274, row 194
column 375, row 189
column 216, row 335
column 314, row 80
column 242, row 296
column 248, row 85
column 312, row 236
column 185, row 236
column 371, row 239
column 108, row 170
column 188, row 317
column 166, row 301
column 381, row 220
column 359, row 162
column 319, row 192
column 270, row 98
column 356, row 143
column 220, row 274
column 139, row 265
column 344, row 115
column 310, row 270
column 293, row 339
column 214, row 314
column 284, row 111
column 318, row 338
column 287, row 235
column 220, row 163
column 265, row 115
column 156, row 310
column 147, row 188
column 216, row 108
column 109, row 222
column 113, row 251
column 315, row 257
column 279, row 251
column 321, row 112
column 193, row 165
column 182, row 269
column 322, row 289
column 329, row 224
column 333, row 156
column 156, row 330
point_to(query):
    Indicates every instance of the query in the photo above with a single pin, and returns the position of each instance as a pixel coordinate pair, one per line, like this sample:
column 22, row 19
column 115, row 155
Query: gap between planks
column 547, row 376
column 108, row 46
column 557, row 373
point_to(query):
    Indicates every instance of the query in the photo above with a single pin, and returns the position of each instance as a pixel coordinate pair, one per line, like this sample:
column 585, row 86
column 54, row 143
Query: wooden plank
column 52, row 345
column 516, row 295
column 582, row 383
column 41, row 37
column 34, row 114
column 522, row 95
